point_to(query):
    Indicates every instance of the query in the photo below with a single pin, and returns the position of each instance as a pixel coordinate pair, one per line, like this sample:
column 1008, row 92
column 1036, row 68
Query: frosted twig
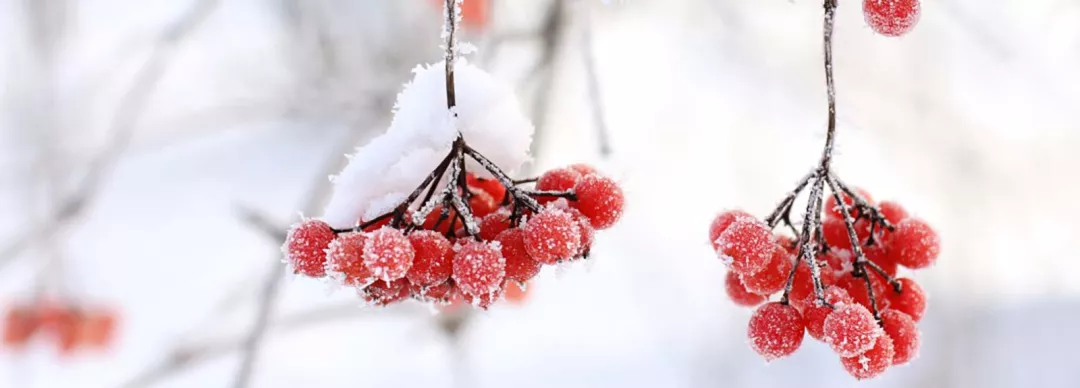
column 452, row 12
column 130, row 110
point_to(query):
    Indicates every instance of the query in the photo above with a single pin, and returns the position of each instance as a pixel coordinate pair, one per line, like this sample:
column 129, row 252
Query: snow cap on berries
column 389, row 167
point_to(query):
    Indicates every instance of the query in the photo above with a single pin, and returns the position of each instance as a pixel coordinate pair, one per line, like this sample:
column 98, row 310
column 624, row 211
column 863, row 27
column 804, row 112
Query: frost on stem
column 837, row 270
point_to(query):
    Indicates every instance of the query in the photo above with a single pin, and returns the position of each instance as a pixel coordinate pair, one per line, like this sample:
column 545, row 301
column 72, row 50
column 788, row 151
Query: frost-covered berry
column 438, row 293
column 344, row 259
column 583, row 169
column 600, row 199
column 746, row 246
column 802, row 286
column 520, row 267
column 835, row 232
column 559, row 179
column 479, row 268
column 305, row 247
column 850, row 330
column 584, row 226
column 736, row 290
column 552, row 235
column 485, row 301
column 911, row 300
column 721, row 223
column 856, row 287
column 775, row 330
column 914, row 244
column 773, row 277
column 891, row 17
column 871, row 363
column 382, row 293
column 893, row 212
column 832, row 208
column 904, row 334
column 481, row 203
column 814, row 314
column 492, row 186
column 493, row 224
column 879, row 254
column 433, row 261
column 388, row 254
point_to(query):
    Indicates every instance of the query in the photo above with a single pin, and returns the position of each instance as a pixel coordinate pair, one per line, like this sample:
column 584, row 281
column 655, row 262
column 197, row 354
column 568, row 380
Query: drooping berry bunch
column 836, row 272
column 458, row 233
column 71, row 327
column 855, row 299
column 465, row 241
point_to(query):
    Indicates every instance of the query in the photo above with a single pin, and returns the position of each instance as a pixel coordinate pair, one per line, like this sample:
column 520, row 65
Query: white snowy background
column 971, row 121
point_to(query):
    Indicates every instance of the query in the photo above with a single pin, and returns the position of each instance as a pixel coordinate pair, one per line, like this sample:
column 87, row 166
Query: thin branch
column 131, row 107
column 186, row 357
column 592, row 78
column 453, row 17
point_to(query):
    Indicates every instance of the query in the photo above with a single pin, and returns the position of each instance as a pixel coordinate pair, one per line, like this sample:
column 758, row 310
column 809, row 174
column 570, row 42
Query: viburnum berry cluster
column 836, row 273
column 458, row 233
column 70, row 327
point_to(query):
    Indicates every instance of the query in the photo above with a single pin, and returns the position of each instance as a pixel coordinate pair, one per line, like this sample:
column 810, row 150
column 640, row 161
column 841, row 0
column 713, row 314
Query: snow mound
column 383, row 172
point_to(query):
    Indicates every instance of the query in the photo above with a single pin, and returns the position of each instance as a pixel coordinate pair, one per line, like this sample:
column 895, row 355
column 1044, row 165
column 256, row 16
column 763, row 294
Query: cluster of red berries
column 865, row 313
column 71, row 327
column 437, row 261
column 891, row 17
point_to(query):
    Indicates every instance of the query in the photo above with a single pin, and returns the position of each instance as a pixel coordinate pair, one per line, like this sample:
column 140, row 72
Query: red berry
column 388, row 254
column 481, row 203
column 20, row 323
column 586, row 229
column 438, row 293
column 892, row 211
column 815, row 314
column 832, row 208
column 873, row 362
column 802, row 286
column 305, row 247
column 837, row 264
column 552, row 236
column 905, row 336
column 479, row 268
column 773, row 277
column 891, row 17
column 736, row 290
column 493, row 224
column 559, row 179
column 721, row 223
column 856, row 287
column 520, row 267
column 583, row 169
column 836, row 234
column 787, row 242
column 911, row 300
column 775, row 330
column 433, row 218
column 850, row 330
column 485, row 301
column 878, row 254
column 433, row 262
column 914, row 244
column 600, row 199
column 344, row 259
column 746, row 245
column 489, row 185
column 382, row 293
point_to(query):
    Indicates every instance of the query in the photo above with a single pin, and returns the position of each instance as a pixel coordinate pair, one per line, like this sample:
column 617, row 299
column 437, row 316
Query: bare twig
column 596, row 101
column 132, row 106
column 188, row 356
